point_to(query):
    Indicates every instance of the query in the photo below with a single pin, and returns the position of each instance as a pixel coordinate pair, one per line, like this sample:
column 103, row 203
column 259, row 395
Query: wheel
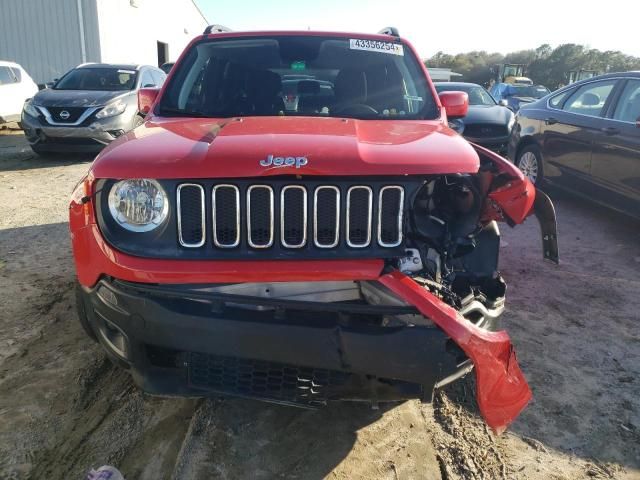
column 82, row 314
column 530, row 164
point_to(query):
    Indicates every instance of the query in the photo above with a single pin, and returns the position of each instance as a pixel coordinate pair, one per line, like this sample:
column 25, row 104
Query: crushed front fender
column 502, row 391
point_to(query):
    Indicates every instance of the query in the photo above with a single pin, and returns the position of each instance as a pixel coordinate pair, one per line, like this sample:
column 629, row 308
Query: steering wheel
column 357, row 109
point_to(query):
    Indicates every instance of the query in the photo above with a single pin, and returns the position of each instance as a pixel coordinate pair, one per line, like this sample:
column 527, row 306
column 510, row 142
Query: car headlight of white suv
column 138, row 205
column 112, row 109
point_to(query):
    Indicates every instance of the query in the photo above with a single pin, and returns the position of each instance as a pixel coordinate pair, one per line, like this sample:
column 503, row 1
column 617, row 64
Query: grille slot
column 191, row 215
column 293, row 216
column 262, row 379
column 226, row 216
column 260, row 216
column 359, row 214
column 326, row 217
column 390, row 210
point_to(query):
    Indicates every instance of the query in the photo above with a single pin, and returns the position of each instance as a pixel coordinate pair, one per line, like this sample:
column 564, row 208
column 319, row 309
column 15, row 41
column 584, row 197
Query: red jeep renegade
column 295, row 222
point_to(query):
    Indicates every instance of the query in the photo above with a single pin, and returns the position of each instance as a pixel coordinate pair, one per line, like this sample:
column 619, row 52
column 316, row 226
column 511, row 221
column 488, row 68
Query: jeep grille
column 294, row 216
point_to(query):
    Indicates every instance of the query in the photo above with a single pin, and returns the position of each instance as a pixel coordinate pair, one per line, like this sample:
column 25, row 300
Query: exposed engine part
column 479, row 314
column 412, row 263
column 303, row 291
column 434, row 265
column 377, row 294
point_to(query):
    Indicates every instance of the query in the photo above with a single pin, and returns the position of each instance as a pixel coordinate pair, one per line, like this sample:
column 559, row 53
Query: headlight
column 138, row 205
column 30, row 109
column 512, row 122
column 113, row 109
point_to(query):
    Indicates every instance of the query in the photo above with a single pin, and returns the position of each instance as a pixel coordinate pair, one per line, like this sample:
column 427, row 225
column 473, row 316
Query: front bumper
column 90, row 138
column 180, row 341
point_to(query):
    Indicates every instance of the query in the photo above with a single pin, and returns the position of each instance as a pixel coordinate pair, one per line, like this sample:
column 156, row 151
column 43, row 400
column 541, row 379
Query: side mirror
column 503, row 103
column 456, row 104
column 146, row 99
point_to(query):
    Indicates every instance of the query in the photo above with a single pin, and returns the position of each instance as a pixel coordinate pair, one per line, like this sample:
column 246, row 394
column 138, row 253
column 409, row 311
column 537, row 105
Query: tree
column 544, row 65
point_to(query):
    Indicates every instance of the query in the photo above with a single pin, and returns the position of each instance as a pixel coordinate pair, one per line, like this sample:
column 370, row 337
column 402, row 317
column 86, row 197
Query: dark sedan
column 585, row 138
column 487, row 123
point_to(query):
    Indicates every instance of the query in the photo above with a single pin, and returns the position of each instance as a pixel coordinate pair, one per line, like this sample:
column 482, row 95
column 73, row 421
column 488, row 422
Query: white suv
column 16, row 86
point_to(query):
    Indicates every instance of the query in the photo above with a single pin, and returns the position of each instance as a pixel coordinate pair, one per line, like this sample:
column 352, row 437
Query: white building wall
column 130, row 29
column 45, row 36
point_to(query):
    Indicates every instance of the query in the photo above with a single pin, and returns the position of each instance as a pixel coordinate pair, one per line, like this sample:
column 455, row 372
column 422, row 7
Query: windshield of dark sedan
column 103, row 79
column 537, row 91
column 477, row 94
column 299, row 75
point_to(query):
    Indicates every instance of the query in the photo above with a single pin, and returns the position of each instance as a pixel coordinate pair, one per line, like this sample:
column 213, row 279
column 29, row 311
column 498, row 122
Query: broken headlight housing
column 138, row 205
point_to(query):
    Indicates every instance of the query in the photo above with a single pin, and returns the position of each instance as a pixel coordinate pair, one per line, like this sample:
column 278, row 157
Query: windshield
column 477, row 94
column 537, row 91
column 103, row 79
column 299, row 75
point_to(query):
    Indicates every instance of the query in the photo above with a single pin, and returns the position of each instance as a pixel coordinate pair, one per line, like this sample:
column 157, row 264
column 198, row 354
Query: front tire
column 530, row 164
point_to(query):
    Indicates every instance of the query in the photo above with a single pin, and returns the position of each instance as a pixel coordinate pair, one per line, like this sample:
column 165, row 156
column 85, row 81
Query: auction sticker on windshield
column 375, row 46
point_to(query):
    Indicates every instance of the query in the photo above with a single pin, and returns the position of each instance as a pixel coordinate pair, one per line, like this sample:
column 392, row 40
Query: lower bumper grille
column 482, row 130
column 267, row 380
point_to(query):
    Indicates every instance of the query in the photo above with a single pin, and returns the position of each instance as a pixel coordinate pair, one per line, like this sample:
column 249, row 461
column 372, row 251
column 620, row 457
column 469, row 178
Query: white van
column 16, row 86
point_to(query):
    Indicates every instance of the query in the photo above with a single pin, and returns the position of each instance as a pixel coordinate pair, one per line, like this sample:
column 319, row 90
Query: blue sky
column 450, row 25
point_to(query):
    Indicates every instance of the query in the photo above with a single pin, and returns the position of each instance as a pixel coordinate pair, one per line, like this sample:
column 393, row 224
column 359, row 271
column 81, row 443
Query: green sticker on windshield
column 299, row 65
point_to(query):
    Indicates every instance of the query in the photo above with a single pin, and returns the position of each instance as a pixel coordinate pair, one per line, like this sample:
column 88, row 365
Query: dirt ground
column 64, row 408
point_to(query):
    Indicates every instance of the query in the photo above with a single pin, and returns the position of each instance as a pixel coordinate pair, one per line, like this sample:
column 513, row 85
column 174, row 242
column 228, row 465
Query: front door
column 616, row 153
column 570, row 131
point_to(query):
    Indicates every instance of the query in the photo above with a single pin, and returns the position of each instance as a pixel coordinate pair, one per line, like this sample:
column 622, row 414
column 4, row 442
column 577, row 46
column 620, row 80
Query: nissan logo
column 64, row 115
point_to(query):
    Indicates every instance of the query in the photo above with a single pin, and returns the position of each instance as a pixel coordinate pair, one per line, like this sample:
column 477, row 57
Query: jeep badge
column 284, row 161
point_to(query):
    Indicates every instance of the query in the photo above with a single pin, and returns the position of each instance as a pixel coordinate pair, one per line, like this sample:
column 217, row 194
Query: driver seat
column 350, row 88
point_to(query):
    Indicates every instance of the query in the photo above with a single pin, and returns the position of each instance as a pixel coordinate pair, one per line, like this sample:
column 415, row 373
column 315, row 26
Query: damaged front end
column 309, row 331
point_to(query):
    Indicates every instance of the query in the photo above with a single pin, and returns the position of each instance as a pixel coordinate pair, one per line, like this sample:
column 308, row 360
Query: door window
column 147, row 80
column 17, row 74
column 158, row 77
column 6, row 76
column 590, row 98
column 628, row 108
column 556, row 101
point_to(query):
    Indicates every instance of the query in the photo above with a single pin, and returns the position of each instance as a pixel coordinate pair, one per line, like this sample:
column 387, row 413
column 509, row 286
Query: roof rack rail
column 216, row 29
column 393, row 31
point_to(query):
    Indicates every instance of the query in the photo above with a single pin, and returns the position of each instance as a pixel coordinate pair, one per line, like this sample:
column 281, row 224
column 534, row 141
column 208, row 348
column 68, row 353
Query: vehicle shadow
column 251, row 439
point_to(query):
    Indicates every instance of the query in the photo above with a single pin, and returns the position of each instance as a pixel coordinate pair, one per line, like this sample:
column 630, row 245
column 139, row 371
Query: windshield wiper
column 183, row 113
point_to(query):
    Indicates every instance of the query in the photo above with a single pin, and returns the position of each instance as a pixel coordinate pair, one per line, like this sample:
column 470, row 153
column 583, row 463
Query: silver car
column 88, row 107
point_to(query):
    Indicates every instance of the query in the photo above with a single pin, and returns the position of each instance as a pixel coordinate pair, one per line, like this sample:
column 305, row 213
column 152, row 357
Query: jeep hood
column 234, row 147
